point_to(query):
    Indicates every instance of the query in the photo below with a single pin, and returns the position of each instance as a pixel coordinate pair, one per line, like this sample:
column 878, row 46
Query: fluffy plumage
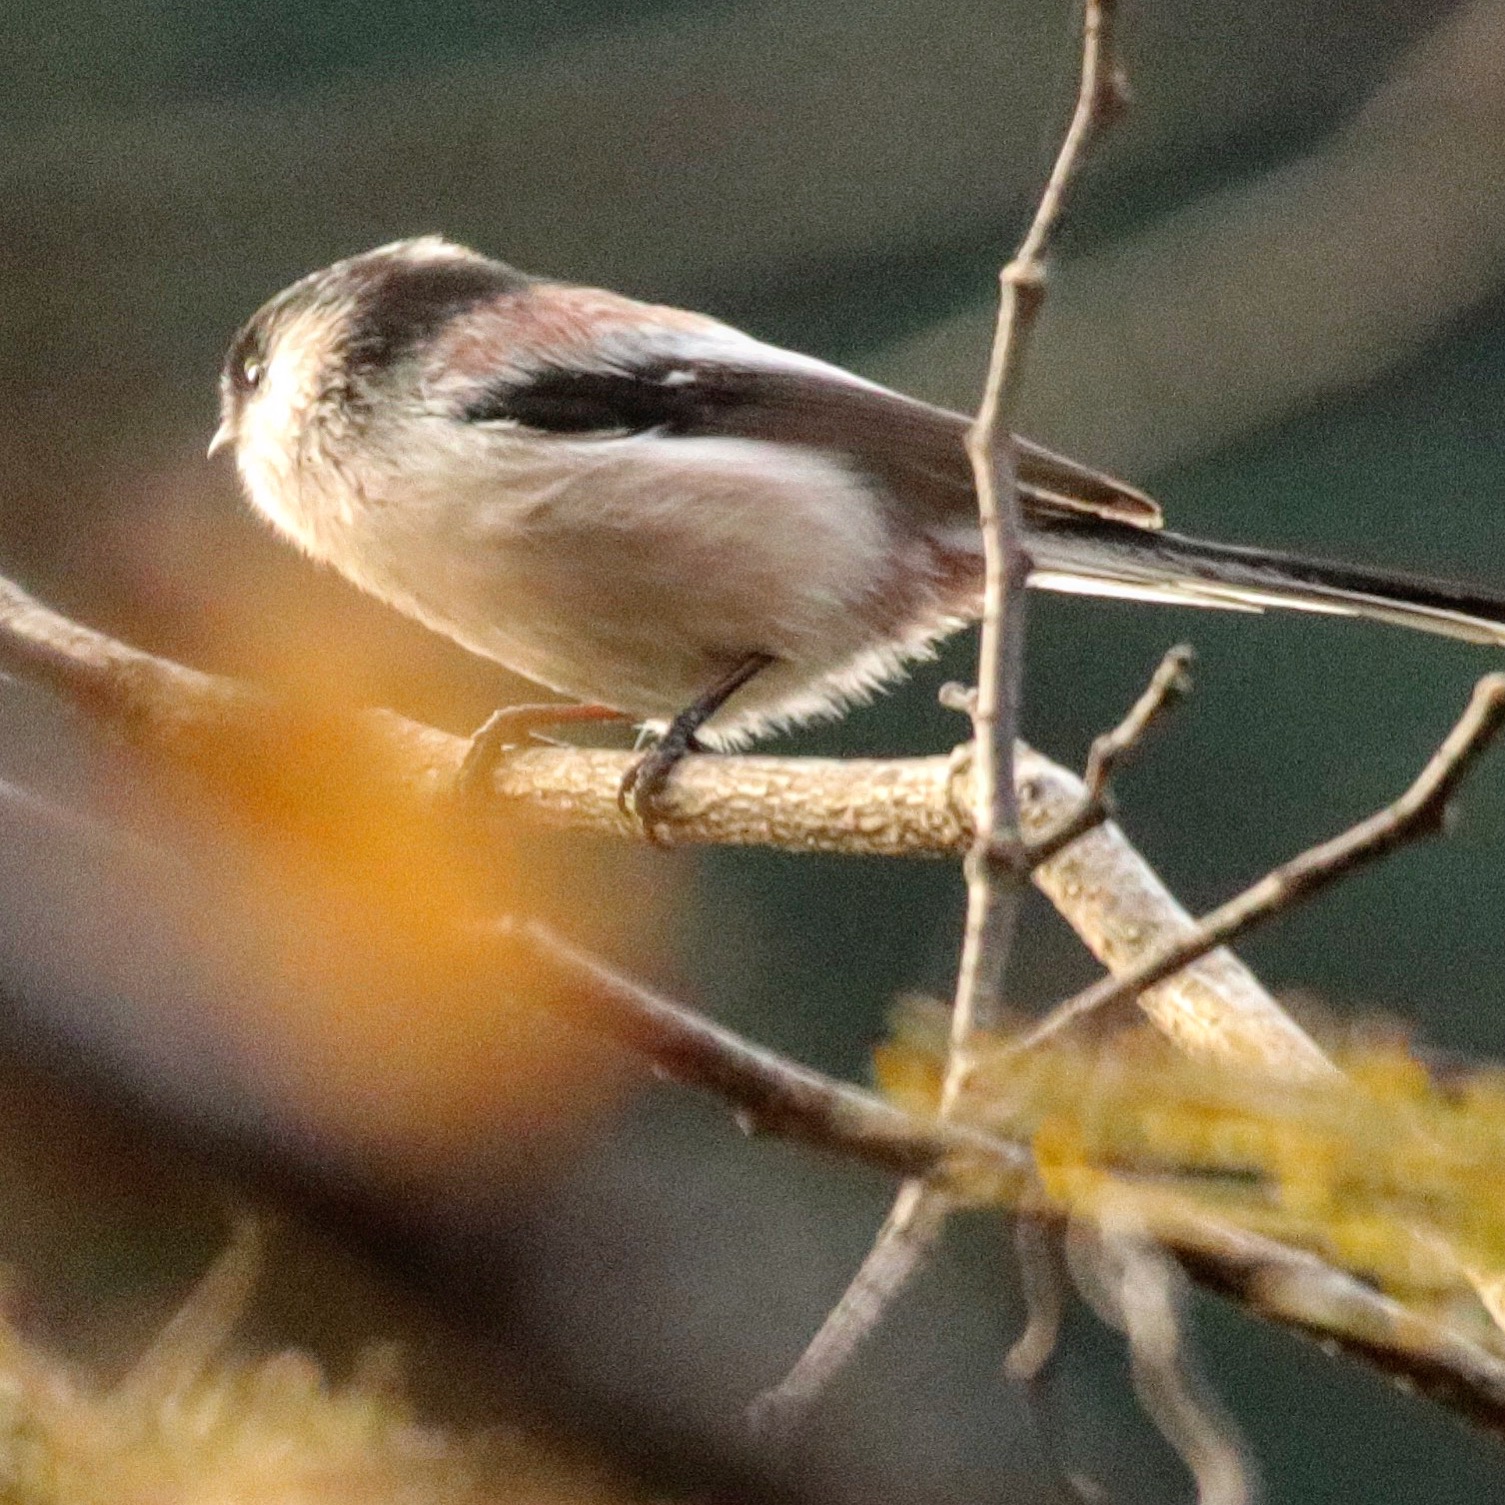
column 624, row 501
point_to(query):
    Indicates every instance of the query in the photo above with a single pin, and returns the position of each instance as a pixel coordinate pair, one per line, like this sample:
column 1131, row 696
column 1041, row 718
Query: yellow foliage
column 1386, row 1171
column 194, row 1424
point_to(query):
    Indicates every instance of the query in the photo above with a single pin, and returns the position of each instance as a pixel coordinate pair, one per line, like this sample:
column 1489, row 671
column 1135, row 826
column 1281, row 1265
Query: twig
column 905, row 1239
column 1418, row 813
column 905, row 807
column 1170, row 683
column 998, row 863
column 772, row 1094
column 1100, row 876
column 1029, row 1362
column 1133, row 1286
column 1040, row 1286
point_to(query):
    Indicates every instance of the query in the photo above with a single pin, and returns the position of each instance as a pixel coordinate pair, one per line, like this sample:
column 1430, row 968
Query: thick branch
column 907, row 807
column 1418, row 813
column 1283, row 1284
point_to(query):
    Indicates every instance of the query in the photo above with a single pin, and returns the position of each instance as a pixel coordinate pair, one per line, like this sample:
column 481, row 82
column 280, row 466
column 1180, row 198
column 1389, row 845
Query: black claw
column 641, row 792
column 640, row 795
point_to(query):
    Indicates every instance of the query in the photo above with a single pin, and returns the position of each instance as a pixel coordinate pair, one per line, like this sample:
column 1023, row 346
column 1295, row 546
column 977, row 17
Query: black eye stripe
column 245, row 366
column 400, row 306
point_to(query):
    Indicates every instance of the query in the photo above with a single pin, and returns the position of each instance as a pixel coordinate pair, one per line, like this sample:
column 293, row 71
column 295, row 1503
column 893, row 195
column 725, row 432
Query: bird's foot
column 511, row 727
column 641, row 792
column 640, row 795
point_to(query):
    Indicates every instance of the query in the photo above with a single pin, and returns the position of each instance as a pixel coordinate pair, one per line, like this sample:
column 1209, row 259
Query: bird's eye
column 251, row 372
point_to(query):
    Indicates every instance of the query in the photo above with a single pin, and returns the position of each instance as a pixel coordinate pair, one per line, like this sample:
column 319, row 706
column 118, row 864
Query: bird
column 663, row 518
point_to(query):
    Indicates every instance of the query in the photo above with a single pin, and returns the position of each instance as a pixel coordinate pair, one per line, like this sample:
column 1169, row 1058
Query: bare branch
column 998, row 863
column 1170, row 683
column 769, row 1093
column 905, row 807
column 1418, row 813
column 772, row 1094
column 1134, row 1286
column 908, row 1233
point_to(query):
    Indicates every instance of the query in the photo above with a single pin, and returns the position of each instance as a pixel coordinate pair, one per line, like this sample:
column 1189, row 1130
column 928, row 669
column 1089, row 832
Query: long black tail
column 1092, row 557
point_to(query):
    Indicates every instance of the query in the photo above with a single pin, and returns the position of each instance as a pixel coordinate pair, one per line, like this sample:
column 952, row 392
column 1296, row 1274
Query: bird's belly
column 640, row 577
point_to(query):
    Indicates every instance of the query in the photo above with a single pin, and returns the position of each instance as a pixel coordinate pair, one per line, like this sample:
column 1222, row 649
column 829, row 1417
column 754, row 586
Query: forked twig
column 1170, row 683
column 998, row 863
column 1418, row 813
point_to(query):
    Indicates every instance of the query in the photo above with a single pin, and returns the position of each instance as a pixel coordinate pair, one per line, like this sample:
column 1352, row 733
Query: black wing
column 915, row 449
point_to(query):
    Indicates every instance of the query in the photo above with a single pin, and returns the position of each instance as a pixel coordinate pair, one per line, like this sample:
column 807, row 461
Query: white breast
column 632, row 570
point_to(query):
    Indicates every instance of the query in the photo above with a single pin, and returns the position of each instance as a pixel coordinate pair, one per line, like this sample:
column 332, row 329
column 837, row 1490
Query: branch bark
column 914, row 807
column 182, row 716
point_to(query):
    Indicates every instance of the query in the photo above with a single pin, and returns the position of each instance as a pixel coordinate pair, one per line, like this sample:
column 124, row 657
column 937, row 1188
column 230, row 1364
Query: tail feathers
column 1104, row 559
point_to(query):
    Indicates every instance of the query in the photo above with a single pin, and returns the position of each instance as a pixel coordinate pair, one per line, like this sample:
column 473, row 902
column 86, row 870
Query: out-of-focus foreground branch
column 192, row 721
column 905, row 807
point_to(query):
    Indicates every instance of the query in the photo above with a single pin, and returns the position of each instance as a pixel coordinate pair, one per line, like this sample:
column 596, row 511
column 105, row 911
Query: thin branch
column 772, row 1094
column 1134, row 1286
column 1040, row 1286
column 769, row 1093
column 998, row 863
column 908, row 1234
column 1170, row 684
column 904, row 807
column 1417, row 814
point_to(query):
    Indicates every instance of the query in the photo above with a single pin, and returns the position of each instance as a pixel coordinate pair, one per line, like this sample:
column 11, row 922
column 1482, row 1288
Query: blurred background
column 1280, row 307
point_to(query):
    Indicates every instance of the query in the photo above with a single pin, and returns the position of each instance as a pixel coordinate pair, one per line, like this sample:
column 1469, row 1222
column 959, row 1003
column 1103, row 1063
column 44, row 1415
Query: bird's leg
column 643, row 786
column 508, row 727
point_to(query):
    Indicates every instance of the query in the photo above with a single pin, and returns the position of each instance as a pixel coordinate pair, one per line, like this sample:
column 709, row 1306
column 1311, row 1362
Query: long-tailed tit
column 648, row 509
